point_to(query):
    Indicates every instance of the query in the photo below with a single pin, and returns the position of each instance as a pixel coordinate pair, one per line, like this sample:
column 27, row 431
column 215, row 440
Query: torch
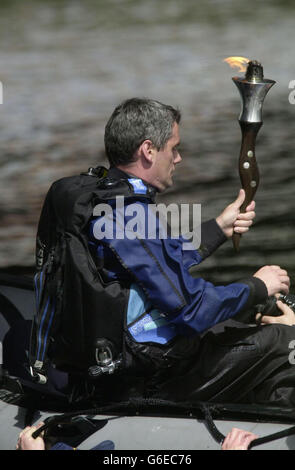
column 253, row 88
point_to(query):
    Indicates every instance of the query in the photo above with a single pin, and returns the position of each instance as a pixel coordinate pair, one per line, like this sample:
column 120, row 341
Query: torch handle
column 248, row 168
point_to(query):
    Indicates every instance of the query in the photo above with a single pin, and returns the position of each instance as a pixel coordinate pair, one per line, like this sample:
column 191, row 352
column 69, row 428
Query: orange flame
column 237, row 62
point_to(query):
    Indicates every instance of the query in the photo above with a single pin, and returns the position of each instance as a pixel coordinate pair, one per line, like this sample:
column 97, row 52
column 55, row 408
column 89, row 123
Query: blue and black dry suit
column 170, row 312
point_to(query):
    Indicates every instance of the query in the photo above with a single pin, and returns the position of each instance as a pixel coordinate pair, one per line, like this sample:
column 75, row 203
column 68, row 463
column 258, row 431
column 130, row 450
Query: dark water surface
column 64, row 65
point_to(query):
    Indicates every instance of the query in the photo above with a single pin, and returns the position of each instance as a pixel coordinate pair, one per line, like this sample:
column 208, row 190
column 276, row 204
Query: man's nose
column 178, row 158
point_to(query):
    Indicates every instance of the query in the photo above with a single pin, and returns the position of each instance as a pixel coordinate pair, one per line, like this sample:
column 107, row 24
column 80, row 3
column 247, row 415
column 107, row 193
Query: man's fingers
column 242, row 226
column 246, row 215
column 278, row 268
column 283, row 307
column 240, row 199
column 251, row 437
column 251, row 206
column 287, row 317
column 241, row 229
column 285, row 280
column 39, row 425
column 243, row 223
column 238, row 439
column 268, row 320
column 283, row 272
column 258, row 318
column 285, row 288
column 24, row 431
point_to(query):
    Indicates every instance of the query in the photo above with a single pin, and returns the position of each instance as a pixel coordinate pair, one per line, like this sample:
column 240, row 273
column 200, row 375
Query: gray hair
column 134, row 121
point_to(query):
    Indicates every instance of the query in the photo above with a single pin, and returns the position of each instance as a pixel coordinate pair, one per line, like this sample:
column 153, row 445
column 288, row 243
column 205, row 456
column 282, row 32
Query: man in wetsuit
column 170, row 312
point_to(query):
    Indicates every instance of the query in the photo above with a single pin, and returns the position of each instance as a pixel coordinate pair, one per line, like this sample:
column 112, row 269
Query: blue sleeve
column 161, row 267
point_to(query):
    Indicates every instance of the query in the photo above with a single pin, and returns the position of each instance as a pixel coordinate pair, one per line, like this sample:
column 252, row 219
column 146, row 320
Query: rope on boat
column 219, row 437
column 205, row 408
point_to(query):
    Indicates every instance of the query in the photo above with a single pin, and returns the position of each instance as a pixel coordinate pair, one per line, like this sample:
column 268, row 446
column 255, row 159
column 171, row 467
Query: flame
column 237, row 62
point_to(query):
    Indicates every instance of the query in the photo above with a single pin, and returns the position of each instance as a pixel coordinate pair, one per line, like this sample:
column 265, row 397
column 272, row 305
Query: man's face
column 166, row 160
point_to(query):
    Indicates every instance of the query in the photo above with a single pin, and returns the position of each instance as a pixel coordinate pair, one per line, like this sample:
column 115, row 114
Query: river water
column 64, row 65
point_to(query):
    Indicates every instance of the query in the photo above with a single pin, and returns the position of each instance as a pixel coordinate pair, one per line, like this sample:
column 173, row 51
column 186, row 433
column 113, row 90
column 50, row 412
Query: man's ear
column 148, row 150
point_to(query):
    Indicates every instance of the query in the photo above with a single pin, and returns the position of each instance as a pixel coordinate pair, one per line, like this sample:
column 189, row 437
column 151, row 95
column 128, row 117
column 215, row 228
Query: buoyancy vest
column 81, row 313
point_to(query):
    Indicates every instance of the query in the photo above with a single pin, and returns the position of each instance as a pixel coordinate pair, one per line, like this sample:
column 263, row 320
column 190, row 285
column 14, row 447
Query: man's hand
column 275, row 278
column 27, row 442
column 232, row 220
column 288, row 317
column 237, row 439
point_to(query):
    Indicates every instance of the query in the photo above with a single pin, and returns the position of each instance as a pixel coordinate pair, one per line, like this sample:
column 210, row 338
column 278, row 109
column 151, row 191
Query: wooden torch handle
column 248, row 168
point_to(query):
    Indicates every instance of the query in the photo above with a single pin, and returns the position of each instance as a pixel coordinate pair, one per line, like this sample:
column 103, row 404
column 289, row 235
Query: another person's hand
column 27, row 442
column 275, row 278
column 287, row 318
column 232, row 220
column 237, row 439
